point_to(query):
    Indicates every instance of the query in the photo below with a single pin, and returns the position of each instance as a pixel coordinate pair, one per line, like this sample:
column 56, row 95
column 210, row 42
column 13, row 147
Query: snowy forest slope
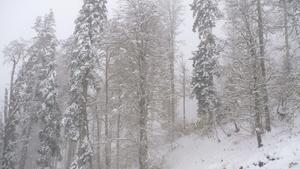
column 119, row 91
column 281, row 150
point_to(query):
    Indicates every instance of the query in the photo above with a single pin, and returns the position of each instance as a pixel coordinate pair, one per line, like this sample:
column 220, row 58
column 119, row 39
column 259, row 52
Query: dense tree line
column 106, row 97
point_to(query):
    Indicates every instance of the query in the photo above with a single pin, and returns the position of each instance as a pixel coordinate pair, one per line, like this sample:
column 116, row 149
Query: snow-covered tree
column 171, row 11
column 206, row 13
column 49, row 114
column 287, row 81
column 13, row 53
column 261, row 39
column 184, row 80
column 248, row 70
column 139, row 79
column 34, row 99
column 9, row 140
column 89, row 25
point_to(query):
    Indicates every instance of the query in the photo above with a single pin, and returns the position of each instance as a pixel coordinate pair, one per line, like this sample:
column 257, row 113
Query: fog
column 17, row 18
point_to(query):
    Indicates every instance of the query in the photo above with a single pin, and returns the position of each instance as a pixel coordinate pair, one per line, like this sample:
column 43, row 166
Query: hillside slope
column 281, row 150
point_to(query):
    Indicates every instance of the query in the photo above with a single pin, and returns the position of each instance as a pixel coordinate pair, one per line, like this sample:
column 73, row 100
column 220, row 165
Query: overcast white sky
column 18, row 16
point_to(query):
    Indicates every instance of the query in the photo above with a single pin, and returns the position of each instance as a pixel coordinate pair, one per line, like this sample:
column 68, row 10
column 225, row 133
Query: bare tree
column 14, row 52
column 172, row 18
column 184, row 81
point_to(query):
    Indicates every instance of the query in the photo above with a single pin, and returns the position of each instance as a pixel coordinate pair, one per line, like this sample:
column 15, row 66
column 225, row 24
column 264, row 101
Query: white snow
column 281, row 150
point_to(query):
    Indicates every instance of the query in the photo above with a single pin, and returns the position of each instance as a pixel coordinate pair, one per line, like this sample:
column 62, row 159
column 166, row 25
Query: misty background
column 18, row 17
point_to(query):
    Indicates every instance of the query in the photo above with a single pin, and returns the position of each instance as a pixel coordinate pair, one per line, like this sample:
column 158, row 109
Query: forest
column 107, row 97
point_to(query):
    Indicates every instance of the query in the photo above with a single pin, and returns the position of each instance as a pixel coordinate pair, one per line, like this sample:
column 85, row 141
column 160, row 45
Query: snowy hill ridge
column 281, row 150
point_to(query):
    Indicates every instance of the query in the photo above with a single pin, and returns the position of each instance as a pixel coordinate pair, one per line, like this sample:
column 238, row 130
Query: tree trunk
column 258, row 125
column 287, row 61
column 29, row 128
column 24, row 151
column 118, row 138
column 263, row 69
column 98, row 139
column 143, row 143
column 12, row 79
column 9, row 117
column 287, row 44
column 172, row 91
column 258, row 135
column 184, row 94
column 255, row 92
column 83, row 130
column 6, row 106
column 2, row 124
column 172, row 61
column 106, row 120
column 71, row 151
column 8, row 113
column 118, row 130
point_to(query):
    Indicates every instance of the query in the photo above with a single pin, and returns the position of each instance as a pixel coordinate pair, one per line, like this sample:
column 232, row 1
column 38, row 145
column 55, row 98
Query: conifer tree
column 50, row 131
column 34, row 97
column 204, row 62
column 89, row 25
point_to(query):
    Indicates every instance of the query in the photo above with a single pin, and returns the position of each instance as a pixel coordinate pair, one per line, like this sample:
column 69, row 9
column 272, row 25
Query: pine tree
column 34, row 98
column 49, row 134
column 204, row 62
column 89, row 26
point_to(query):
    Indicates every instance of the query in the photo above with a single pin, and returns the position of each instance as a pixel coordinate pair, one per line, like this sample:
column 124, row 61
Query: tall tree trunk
column 83, row 130
column 54, row 162
column 255, row 92
column 287, row 63
column 184, row 94
column 5, row 122
column 98, row 138
column 9, row 117
column 172, row 91
column 172, row 60
column 8, row 113
column 143, row 143
column 71, row 151
column 106, row 120
column 258, row 125
column 263, row 68
column 118, row 130
column 12, row 79
column 2, row 124
column 118, row 139
column 24, row 152
column 93, row 135
column 6, row 106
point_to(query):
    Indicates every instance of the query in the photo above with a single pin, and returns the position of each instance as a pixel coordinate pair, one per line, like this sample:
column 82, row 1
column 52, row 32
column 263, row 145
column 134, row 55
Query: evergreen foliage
column 49, row 134
column 35, row 92
column 204, row 61
column 89, row 26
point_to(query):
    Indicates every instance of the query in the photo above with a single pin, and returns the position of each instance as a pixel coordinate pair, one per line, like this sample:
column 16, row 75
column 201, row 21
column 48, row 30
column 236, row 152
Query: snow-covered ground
column 281, row 150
